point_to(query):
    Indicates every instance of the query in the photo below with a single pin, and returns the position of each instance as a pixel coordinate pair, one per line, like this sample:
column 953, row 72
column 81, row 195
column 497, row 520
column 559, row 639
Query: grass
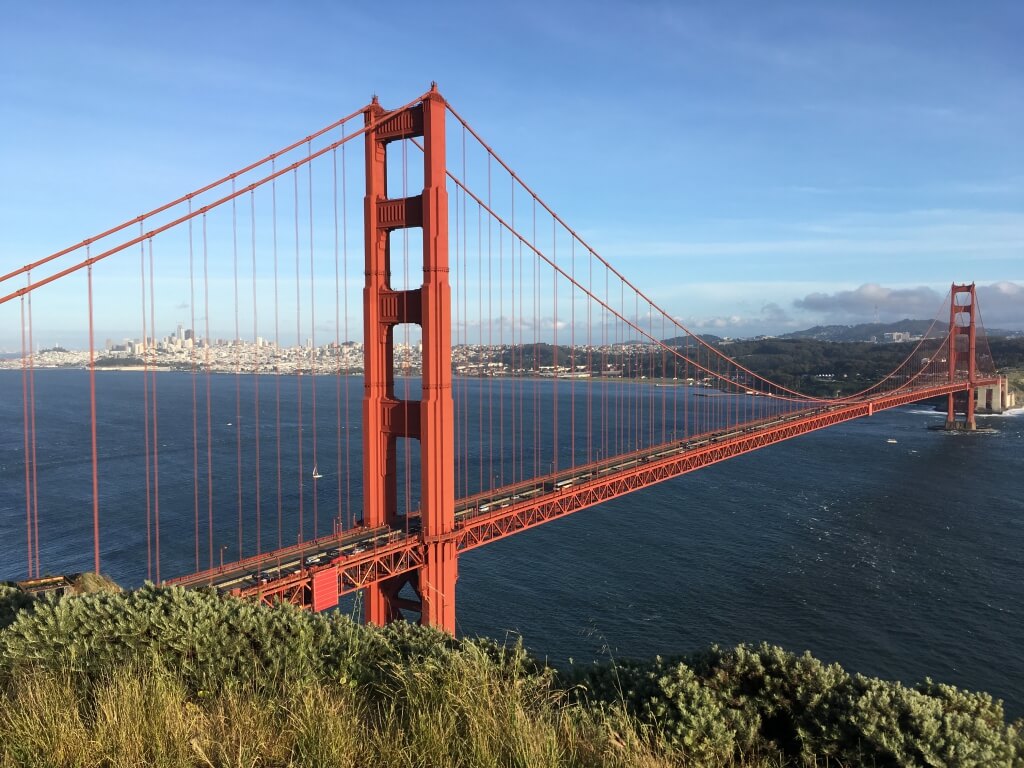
column 167, row 677
column 456, row 712
column 89, row 583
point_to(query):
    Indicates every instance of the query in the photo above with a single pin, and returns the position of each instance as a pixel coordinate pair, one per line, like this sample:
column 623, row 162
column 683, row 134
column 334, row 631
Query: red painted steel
column 436, row 585
column 957, row 331
column 408, row 563
column 397, row 557
column 325, row 588
column 645, row 471
column 385, row 417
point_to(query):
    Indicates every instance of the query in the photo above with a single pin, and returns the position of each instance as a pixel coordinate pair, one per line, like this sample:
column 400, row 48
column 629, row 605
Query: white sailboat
column 316, row 475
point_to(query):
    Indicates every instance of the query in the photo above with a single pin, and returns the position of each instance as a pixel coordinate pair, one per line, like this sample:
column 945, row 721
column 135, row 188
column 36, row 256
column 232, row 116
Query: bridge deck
column 314, row 574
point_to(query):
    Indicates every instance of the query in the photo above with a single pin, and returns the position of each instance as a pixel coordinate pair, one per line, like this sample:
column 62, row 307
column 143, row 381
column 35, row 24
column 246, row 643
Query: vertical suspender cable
column 236, row 343
column 537, row 347
column 461, row 294
column 156, row 423
column 480, row 335
column 636, row 412
column 512, row 343
column 195, row 398
column 554, row 347
column 664, row 392
column 490, row 347
column 572, row 352
column 455, row 214
column 145, row 416
column 30, row 573
column 92, row 430
column 32, row 431
column 501, row 356
column 298, row 344
column 337, row 344
column 590, row 362
column 605, row 319
column 255, row 372
column 312, row 339
column 521, row 431
column 465, row 315
column 277, row 361
column 209, row 399
column 344, row 246
column 518, row 363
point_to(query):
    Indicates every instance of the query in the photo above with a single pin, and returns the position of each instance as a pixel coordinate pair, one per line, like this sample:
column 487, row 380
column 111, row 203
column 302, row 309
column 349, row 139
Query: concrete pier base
column 994, row 398
column 961, row 426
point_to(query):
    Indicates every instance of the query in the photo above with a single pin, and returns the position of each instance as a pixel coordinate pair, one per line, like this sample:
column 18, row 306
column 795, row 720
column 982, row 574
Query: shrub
column 12, row 600
column 241, row 662
column 719, row 704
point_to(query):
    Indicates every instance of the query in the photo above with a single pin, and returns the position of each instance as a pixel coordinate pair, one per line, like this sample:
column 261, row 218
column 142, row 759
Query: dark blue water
column 901, row 560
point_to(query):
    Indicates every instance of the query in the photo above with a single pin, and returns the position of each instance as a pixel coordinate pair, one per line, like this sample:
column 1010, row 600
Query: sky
column 753, row 167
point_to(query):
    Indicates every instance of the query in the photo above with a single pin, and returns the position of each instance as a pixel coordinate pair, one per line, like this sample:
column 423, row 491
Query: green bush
column 12, row 600
column 719, row 704
column 717, row 707
column 210, row 640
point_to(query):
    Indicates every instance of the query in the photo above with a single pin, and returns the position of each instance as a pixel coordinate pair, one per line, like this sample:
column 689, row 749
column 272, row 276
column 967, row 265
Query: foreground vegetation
column 173, row 678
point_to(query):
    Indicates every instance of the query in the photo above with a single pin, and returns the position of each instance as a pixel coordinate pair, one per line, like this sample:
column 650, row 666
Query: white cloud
column 1001, row 304
column 873, row 299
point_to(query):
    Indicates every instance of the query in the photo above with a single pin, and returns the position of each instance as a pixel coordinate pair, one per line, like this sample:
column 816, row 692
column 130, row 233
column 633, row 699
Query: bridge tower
column 962, row 318
column 385, row 417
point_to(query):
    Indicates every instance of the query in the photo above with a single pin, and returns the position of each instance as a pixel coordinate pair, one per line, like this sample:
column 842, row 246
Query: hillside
column 167, row 677
column 827, row 368
column 877, row 331
column 861, row 331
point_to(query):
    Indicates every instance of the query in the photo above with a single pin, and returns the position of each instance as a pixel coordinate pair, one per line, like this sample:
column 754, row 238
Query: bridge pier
column 994, row 398
column 968, row 423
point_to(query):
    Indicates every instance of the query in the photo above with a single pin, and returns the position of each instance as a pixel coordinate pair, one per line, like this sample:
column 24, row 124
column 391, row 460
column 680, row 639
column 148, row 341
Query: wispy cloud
column 962, row 188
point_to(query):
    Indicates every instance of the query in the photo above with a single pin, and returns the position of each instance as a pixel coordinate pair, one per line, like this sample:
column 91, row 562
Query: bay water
column 887, row 546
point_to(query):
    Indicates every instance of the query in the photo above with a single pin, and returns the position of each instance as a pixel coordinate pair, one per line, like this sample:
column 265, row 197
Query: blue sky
column 754, row 167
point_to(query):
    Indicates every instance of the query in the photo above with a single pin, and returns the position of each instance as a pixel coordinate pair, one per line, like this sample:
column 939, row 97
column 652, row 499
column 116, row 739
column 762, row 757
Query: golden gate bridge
column 510, row 375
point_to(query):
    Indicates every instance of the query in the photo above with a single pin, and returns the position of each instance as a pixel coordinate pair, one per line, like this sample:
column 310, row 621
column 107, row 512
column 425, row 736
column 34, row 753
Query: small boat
column 891, row 440
column 316, row 475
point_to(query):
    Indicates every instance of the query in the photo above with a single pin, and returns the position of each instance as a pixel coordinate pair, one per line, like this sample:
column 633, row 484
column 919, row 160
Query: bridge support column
column 385, row 417
column 961, row 354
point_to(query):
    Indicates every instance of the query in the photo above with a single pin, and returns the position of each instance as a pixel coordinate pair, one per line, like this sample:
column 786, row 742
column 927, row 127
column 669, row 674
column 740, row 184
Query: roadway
column 350, row 560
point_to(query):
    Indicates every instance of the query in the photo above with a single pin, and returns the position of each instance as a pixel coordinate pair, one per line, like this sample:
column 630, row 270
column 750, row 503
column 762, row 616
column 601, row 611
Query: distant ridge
column 861, row 331
column 870, row 331
column 679, row 341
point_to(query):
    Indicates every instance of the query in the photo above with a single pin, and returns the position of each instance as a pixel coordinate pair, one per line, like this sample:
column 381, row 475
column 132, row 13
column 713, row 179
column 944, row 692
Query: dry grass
column 88, row 583
column 456, row 713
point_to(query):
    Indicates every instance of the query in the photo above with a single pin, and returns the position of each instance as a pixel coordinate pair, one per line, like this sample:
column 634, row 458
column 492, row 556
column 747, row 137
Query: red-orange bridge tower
column 571, row 386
